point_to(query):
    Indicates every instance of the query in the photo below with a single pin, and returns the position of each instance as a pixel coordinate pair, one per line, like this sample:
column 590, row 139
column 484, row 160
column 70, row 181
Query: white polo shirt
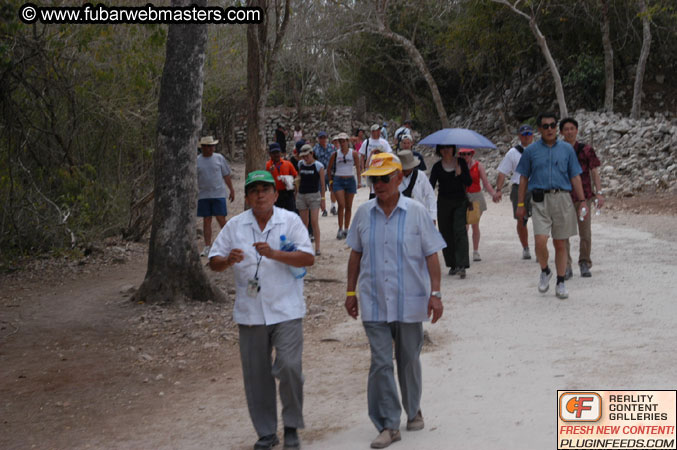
column 394, row 282
column 281, row 295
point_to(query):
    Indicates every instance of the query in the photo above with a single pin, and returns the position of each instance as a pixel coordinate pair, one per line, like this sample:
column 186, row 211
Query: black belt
column 554, row 191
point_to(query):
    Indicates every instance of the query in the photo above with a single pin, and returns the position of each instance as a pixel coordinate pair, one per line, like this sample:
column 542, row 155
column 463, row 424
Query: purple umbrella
column 460, row 137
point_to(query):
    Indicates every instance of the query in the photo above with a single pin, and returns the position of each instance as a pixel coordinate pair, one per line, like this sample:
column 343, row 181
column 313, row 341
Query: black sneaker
column 266, row 442
column 585, row 270
column 333, row 211
column 453, row 270
column 291, row 438
column 461, row 273
column 324, row 213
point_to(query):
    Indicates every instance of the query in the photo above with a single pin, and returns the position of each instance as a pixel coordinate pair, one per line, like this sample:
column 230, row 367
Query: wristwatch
column 437, row 294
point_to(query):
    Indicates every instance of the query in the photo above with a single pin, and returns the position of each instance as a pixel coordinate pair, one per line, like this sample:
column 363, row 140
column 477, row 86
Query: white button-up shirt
column 394, row 282
column 509, row 164
column 422, row 192
column 281, row 295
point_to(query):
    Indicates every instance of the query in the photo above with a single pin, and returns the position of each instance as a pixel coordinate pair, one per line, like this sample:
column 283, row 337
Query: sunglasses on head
column 382, row 179
column 552, row 126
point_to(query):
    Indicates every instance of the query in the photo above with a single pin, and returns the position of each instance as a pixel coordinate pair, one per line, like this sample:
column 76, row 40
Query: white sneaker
column 476, row 256
column 561, row 291
column 205, row 251
column 544, row 282
column 526, row 254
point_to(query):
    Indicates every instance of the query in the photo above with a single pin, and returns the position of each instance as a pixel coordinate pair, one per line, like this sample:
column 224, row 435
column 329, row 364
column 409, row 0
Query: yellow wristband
column 520, row 204
column 351, row 294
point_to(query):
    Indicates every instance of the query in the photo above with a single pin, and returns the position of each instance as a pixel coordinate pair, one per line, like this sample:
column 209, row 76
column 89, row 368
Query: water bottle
column 598, row 210
column 287, row 246
column 584, row 212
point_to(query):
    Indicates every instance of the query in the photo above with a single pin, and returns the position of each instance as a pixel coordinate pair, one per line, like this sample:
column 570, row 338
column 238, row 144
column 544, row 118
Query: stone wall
column 333, row 120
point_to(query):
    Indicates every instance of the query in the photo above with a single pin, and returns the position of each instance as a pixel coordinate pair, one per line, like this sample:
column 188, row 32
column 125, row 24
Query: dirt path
column 82, row 367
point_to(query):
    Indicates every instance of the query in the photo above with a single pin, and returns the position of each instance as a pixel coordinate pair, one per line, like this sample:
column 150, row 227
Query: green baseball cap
column 259, row 176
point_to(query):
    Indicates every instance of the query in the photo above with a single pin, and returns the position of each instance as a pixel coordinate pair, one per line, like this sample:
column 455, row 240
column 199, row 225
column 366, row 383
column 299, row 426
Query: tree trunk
column 415, row 55
column 174, row 269
column 608, row 59
column 641, row 64
column 559, row 89
column 261, row 58
column 255, row 154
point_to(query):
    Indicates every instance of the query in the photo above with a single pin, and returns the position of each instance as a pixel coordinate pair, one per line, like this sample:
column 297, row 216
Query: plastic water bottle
column 584, row 212
column 288, row 246
column 598, row 210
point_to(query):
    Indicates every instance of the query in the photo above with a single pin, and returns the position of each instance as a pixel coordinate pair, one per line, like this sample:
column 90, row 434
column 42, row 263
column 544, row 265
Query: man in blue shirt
column 394, row 258
column 323, row 150
column 549, row 170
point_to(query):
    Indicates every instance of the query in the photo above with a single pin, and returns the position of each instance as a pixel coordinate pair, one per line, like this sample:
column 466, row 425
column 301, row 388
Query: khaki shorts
column 555, row 213
column 478, row 197
column 308, row 201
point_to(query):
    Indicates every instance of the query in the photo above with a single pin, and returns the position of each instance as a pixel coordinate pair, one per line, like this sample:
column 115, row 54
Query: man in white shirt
column 415, row 183
column 394, row 257
column 269, row 306
column 401, row 131
column 375, row 141
column 213, row 174
column 507, row 169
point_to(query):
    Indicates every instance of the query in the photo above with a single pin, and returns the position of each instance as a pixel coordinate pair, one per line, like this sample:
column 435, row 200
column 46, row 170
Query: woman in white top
column 298, row 133
column 342, row 180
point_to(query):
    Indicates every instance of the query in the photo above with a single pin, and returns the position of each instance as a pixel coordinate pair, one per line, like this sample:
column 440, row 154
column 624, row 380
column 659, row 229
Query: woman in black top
column 453, row 176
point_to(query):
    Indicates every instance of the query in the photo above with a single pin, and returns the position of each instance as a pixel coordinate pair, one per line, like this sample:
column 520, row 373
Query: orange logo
column 580, row 407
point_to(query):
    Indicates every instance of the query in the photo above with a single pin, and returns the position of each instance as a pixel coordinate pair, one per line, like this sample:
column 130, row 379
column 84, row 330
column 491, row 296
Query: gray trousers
column 259, row 373
column 384, row 403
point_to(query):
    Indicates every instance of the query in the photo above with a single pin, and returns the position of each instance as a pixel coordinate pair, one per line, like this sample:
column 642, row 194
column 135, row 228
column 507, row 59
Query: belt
column 343, row 178
column 554, row 191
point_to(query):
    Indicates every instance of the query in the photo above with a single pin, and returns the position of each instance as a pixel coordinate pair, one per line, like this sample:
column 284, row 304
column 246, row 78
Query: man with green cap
column 269, row 305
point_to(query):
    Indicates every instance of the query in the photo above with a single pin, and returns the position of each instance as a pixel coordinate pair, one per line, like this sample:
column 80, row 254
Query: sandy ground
column 83, row 367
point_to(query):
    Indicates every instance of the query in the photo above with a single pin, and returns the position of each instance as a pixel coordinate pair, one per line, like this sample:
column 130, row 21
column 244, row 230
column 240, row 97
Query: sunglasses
column 527, row 133
column 383, row 179
column 552, row 126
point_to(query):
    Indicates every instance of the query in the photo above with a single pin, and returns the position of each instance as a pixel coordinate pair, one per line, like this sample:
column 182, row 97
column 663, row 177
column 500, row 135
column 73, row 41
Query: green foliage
column 586, row 77
column 225, row 85
column 77, row 122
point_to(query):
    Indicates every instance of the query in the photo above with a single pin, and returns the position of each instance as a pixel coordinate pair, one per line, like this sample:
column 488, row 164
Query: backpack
column 519, row 148
column 407, row 192
column 579, row 147
column 398, row 136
